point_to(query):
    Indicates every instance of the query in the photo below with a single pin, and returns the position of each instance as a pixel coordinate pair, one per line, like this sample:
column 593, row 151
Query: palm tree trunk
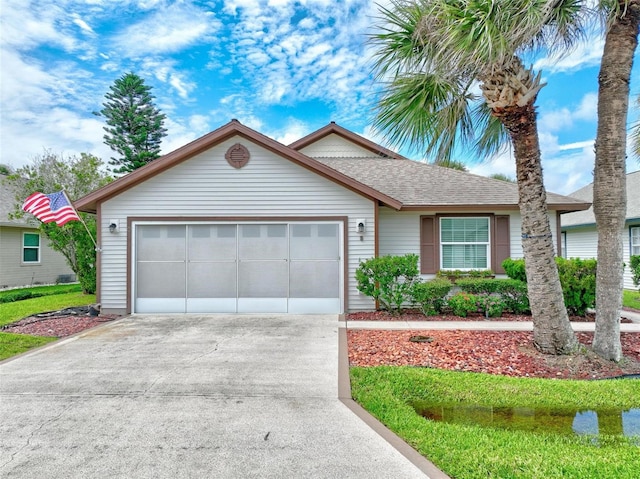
column 609, row 186
column 552, row 332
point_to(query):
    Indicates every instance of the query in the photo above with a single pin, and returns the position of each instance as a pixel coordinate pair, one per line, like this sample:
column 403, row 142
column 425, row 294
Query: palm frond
column 492, row 138
column 427, row 111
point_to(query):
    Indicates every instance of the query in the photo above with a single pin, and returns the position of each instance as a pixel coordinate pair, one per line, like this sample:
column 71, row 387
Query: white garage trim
column 250, row 266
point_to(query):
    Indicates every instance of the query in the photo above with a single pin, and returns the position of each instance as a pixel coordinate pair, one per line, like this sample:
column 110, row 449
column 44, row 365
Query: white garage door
column 211, row 268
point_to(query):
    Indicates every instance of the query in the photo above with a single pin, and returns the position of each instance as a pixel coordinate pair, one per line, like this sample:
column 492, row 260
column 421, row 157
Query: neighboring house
column 579, row 234
column 237, row 222
column 25, row 256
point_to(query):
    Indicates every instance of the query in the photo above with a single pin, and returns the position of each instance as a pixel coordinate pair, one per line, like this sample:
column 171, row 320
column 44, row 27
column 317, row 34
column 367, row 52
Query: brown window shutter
column 428, row 245
column 502, row 243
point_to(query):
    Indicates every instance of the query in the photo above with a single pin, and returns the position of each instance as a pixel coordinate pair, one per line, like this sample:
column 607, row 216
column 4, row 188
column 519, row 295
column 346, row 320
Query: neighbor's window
column 30, row 248
column 464, row 243
column 635, row 240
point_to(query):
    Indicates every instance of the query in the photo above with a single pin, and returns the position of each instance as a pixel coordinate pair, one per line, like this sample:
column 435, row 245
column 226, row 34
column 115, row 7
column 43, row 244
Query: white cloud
column 293, row 131
column 588, row 109
column 84, row 26
column 168, row 30
column 586, row 54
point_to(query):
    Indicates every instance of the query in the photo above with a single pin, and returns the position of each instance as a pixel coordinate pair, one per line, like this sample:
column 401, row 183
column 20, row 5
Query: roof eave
column 89, row 203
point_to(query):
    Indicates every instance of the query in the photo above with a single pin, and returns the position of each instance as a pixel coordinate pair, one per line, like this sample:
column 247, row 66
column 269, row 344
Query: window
column 31, row 248
column 464, row 243
column 634, row 234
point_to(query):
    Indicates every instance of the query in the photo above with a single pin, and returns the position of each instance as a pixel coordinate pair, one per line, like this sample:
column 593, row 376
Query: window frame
column 26, row 247
column 486, row 244
column 631, row 245
column 499, row 233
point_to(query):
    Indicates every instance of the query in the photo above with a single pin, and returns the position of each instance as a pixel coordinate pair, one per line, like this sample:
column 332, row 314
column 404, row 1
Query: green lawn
column 631, row 299
column 12, row 344
column 467, row 451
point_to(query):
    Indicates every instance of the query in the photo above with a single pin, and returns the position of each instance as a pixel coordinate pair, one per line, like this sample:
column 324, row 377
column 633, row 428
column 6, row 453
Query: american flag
column 53, row 207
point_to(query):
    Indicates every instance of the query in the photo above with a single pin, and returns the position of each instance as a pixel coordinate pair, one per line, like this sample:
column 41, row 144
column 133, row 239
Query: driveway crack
column 35, row 431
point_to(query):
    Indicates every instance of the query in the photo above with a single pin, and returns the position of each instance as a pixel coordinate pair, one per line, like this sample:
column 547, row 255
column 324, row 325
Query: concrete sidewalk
column 189, row 396
column 489, row 325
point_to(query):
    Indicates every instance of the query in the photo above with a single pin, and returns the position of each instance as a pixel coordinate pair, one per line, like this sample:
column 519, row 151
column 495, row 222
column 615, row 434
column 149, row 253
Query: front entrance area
column 283, row 267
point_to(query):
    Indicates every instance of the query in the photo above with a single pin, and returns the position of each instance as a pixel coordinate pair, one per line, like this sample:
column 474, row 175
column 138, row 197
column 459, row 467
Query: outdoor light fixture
column 361, row 226
column 113, row 226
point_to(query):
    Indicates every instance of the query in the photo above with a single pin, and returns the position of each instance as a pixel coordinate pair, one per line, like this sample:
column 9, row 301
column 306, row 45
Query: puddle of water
column 616, row 422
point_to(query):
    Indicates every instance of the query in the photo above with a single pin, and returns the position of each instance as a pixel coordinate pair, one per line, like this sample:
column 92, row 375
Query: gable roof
column 89, row 202
column 587, row 217
column 385, row 177
column 333, row 128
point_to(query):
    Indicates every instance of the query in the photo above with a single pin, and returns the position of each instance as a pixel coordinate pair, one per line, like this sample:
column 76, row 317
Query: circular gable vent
column 237, row 156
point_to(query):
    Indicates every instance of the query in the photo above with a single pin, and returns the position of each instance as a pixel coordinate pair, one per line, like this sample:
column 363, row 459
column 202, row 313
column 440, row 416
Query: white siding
column 582, row 243
column 334, row 146
column 13, row 272
column 400, row 231
column 207, row 186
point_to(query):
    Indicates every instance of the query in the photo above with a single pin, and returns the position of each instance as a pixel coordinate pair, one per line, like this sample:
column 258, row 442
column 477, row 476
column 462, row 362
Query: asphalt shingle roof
column 587, row 217
column 416, row 184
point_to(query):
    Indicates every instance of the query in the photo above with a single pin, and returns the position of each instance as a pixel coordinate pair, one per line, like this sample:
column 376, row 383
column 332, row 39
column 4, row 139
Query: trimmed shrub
column 514, row 268
column 430, row 295
column 478, row 286
column 389, row 280
column 512, row 293
column 463, row 303
column 577, row 278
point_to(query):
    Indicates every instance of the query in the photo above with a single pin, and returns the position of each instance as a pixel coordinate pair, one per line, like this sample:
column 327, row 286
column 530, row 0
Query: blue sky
column 282, row 67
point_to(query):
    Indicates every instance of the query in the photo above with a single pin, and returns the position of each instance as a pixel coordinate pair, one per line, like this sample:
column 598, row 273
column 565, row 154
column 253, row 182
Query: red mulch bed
column 509, row 353
column 58, row 324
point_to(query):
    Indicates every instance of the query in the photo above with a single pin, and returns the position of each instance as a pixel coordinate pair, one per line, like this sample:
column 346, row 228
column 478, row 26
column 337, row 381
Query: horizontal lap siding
column 583, row 243
column 207, row 186
column 13, row 272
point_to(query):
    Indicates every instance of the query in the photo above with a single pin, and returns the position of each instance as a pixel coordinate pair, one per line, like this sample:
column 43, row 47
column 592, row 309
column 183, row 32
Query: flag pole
column 81, row 220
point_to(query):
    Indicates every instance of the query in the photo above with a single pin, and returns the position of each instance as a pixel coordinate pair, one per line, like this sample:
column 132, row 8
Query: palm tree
column 432, row 54
column 609, row 185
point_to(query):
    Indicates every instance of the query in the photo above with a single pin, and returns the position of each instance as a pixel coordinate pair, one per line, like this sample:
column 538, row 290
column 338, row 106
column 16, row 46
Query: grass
column 12, row 344
column 468, row 451
column 12, row 312
column 18, row 294
column 631, row 299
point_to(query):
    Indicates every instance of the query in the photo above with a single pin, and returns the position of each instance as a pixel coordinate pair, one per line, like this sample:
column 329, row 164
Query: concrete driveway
column 185, row 396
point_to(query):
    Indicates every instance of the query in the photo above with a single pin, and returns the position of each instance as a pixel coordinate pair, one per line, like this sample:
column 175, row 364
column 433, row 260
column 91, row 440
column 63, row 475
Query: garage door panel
column 262, row 242
column 160, row 243
column 263, row 279
column 315, row 241
column 212, row 305
column 314, row 279
column 212, row 242
column 161, row 280
column 160, row 305
column 212, row 280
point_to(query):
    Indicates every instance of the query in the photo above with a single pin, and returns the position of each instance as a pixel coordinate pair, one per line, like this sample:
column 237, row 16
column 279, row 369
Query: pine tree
column 135, row 127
